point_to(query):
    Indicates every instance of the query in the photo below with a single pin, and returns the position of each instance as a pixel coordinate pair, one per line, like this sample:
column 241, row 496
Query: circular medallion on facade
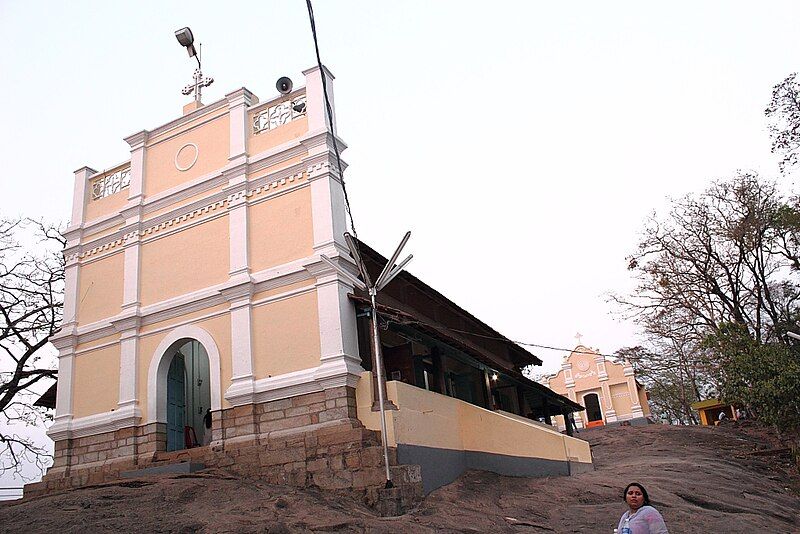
column 186, row 157
column 583, row 365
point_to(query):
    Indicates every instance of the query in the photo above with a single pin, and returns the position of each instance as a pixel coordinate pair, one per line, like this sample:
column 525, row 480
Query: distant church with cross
column 606, row 388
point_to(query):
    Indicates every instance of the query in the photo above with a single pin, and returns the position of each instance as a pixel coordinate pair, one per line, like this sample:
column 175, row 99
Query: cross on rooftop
column 197, row 86
column 579, row 337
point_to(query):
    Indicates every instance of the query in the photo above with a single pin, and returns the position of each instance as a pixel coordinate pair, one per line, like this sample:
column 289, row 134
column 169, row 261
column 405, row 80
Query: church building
column 607, row 389
column 201, row 327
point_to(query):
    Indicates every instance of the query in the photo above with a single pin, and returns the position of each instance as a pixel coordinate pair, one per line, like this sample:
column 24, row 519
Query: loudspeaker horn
column 284, row 85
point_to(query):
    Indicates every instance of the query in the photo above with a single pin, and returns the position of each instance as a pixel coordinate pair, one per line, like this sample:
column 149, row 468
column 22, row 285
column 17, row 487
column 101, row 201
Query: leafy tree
column 31, row 301
column 763, row 377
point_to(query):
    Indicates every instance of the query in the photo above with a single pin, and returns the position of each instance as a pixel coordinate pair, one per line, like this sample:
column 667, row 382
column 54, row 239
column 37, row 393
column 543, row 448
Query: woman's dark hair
column 644, row 492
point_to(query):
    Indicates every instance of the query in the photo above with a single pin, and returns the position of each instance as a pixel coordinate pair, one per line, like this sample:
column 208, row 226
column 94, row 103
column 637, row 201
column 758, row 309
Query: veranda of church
column 195, row 292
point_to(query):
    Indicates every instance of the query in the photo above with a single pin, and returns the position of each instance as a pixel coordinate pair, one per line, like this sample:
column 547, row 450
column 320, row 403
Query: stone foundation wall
column 309, row 440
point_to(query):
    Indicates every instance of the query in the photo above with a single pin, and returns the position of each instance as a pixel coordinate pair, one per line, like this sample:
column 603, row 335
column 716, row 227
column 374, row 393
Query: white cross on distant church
column 579, row 337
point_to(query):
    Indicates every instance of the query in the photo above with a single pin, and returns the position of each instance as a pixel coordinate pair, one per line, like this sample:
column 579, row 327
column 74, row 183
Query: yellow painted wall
column 578, row 450
column 96, row 381
column 282, row 289
column 212, row 140
column 272, row 138
column 485, row 431
column 432, row 420
column 104, row 206
column 100, row 288
column 286, row 335
column 183, row 319
column 113, row 338
column 621, row 398
column 280, row 229
column 194, row 198
column 558, row 383
column 190, row 259
column 277, row 167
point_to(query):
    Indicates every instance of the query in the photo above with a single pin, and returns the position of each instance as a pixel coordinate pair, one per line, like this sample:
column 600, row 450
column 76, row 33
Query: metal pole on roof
column 389, row 272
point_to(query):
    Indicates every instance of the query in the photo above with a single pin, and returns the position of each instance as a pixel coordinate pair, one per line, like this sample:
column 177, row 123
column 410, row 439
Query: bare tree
column 726, row 256
column 783, row 114
column 716, row 258
column 31, row 302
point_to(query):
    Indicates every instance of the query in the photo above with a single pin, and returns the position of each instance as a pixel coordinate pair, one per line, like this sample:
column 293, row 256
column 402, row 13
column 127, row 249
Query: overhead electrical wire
column 505, row 339
column 329, row 112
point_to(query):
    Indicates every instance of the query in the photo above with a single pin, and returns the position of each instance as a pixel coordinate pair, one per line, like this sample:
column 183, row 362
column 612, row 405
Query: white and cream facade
column 607, row 389
column 195, row 292
column 211, row 232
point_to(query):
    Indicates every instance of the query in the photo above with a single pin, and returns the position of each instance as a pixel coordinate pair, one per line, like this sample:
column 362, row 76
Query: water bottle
column 626, row 527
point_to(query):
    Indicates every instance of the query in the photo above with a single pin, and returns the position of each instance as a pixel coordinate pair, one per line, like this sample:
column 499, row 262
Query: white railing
column 279, row 114
column 109, row 184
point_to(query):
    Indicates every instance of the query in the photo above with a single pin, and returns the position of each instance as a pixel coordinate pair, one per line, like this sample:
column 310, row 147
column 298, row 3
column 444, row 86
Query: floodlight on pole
column 390, row 270
column 186, row 39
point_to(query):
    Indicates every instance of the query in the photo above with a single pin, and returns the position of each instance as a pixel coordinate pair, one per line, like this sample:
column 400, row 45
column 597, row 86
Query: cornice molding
column 265, row 280
column 221, row 199
column 180, row 121
column 125, row 416
column 242, row 96
column 335, row 372
column 137, row 140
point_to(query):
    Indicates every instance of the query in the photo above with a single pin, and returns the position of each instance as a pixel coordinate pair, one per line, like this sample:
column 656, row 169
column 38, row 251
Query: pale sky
column 522, row 143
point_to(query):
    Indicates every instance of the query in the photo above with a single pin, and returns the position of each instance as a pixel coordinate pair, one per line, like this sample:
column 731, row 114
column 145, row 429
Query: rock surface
column 730, row 479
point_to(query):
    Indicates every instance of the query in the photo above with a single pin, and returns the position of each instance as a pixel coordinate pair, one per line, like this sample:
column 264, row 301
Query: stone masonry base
column 312, row 440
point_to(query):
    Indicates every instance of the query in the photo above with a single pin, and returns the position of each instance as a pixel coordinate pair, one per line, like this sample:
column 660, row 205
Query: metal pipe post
column 381, row 383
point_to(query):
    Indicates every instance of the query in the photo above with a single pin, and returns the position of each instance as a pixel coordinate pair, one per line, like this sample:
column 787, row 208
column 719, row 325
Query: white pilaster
column 128, row 368
column 136, row 189
column 65, row 343
column 633, row 391
column 70, row 317
column 600, row 362
column 315, row 99
column 79, row 195
column 340, row 363
column 66, row 360
column 611, row 415
column 242, row 384
column 568, row 380
column 131, row 268
column 238, row 102
column 328, row 211
column 239, row 239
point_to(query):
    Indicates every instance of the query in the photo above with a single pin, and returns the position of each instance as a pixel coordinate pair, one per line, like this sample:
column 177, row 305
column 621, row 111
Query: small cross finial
column 579, row 337
column 197, row 86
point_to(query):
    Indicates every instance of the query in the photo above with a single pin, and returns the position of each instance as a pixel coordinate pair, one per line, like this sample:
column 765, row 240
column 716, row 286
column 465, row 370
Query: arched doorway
column 188, row 394
column 593, row 412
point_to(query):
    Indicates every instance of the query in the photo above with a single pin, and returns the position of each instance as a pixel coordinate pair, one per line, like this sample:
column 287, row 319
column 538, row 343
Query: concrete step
column 167, row 469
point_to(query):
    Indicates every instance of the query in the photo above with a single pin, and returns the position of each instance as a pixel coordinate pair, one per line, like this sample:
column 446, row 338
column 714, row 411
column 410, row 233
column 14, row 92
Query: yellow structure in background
column 710, row 409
